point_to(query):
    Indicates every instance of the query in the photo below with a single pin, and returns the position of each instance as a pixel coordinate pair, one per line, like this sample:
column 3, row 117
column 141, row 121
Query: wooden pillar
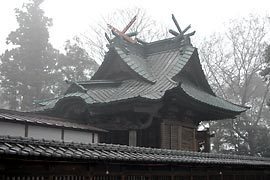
column 207, row 175
column 207, row 141
column 179, row 137
column 62, row 134
column 132, row 138
column 194, row 140
column 234, row 177
column 26, row 130
column 221, row 175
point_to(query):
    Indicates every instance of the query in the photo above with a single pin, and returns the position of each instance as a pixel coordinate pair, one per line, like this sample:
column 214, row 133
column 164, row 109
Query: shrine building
column 137, row 118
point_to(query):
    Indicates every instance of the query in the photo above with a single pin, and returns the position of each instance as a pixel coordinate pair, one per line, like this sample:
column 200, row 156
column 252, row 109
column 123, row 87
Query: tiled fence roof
column 41, row 148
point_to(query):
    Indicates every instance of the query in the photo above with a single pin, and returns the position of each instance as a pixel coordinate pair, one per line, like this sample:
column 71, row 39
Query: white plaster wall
column 12, row 129
column 49, row 133
column 40, row 132
column 77, row 136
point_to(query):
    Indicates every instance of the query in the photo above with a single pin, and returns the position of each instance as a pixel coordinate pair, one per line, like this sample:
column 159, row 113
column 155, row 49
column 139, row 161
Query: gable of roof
column 113, row 68
column 146, row 60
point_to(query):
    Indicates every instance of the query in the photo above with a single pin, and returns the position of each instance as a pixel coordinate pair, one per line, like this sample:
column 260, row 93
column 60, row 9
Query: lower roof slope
column 41, row 120
column 24, row 147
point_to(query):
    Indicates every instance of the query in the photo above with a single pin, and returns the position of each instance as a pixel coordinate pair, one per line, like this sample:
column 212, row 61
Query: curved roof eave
column 214, row 101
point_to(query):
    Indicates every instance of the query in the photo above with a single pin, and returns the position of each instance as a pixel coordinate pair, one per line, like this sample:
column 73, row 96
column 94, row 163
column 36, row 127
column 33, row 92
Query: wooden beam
column 141, row 41
column 108, row 38
column 129, row 24
column 176, row 23
column 173, row 32
column 119, row 33
column 186, row 29
column 191, row 34
column 132, row 34
column 181, row 35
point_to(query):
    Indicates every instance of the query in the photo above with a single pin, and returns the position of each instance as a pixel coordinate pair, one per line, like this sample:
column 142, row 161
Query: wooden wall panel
column 165, row 136
column 176, row 136
column 187, row 139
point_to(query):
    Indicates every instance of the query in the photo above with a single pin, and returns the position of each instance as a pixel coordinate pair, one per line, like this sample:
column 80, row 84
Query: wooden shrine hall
column 141, row 111
column 146, row 94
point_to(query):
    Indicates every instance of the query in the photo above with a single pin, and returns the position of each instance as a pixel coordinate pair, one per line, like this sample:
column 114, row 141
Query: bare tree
column 147, row 29
column 233, row 64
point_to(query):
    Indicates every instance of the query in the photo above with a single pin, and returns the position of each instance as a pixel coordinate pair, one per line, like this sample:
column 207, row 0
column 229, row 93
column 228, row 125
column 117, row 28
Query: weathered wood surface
column 175, row 135
column 62, row 170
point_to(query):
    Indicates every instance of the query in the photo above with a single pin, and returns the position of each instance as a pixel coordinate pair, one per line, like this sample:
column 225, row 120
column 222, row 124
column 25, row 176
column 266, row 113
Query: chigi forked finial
column 180, row 34
column 122, row 33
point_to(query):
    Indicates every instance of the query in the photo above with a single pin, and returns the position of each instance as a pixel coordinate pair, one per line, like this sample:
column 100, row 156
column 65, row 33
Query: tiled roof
column 53, row 149
column 156, row 63
column 31, row 118
column 134, row 88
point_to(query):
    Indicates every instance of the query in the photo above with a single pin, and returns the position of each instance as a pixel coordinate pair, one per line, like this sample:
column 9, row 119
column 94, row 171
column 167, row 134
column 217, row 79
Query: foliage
column 73, row 65
column 27, row 67
column 76, row 64
column 33, row 69
column 233, row 64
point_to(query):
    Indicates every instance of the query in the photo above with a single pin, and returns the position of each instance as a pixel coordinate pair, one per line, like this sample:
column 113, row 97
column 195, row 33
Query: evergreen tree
column 76, row 64
column 27, row 68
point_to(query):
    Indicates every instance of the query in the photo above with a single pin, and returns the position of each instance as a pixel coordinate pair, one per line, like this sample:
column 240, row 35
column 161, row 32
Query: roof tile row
column 42, row 148
column 32, row 118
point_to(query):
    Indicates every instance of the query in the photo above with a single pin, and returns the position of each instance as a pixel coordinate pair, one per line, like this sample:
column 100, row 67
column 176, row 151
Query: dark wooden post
column 207, row 175
column 221, row 175
column 26, row 130
column 207, row 141
column 194, row 140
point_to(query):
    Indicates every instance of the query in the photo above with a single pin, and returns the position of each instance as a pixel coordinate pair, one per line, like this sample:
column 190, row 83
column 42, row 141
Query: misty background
column 45, row 43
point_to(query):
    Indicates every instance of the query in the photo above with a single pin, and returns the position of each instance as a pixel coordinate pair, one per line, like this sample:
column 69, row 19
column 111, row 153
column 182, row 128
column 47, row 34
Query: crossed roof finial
column 180, row 34
column 122, row 34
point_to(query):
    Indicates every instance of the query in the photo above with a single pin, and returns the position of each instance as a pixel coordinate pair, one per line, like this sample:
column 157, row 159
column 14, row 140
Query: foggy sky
column 71, row 17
